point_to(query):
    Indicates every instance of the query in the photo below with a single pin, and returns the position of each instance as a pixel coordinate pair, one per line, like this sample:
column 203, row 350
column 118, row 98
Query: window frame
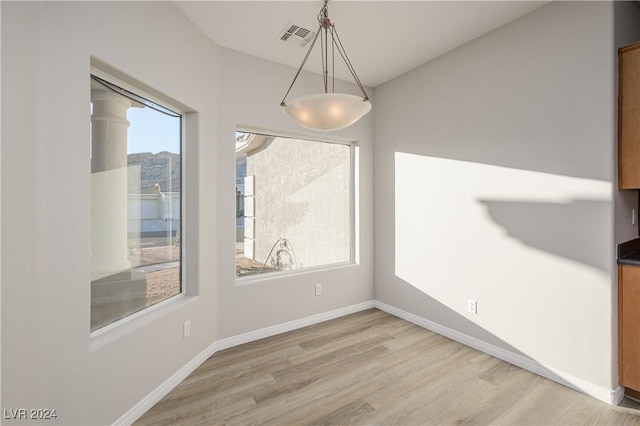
column 354, row 204
column 115, row 329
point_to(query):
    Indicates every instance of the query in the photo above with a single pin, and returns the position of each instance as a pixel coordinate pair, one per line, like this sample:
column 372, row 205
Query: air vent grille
column 296, row 35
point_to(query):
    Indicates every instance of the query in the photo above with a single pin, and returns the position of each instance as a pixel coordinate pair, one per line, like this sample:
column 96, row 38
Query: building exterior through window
column 136, row 203
column 294, row 204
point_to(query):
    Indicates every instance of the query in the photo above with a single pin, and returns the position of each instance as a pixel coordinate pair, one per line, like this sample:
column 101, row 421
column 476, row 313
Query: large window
column 294, row 204
column 136, row 203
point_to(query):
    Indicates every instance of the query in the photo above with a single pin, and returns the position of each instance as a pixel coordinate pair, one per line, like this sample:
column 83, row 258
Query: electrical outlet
column 186, row 329
column 472, row 306
column 318, row 289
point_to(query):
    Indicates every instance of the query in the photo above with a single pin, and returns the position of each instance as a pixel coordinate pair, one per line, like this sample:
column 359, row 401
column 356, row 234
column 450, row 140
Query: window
column 294, row 204
column 136, row 204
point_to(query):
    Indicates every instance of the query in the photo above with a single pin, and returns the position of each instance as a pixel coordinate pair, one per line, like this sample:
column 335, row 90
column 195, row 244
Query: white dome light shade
column 327, row 111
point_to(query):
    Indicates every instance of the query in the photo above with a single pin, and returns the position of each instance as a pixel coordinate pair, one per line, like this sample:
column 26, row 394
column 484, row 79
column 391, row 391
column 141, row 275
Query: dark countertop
column 629, row 252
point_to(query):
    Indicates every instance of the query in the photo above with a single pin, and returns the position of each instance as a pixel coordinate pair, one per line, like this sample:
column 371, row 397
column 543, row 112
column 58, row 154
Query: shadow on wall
column 565, row 229
column 445, row 207
column 529, row 246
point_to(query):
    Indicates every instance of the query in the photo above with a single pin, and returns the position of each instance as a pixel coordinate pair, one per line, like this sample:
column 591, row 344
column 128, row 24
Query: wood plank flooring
column 371, row 368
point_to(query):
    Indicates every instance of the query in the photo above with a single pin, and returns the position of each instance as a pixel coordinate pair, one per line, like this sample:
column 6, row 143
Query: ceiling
column 383, row 39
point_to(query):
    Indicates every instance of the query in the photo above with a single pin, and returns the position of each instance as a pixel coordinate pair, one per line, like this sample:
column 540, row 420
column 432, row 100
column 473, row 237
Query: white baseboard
column 161, row 391
column 610, row 396
column 292, row 325
column 616, row 395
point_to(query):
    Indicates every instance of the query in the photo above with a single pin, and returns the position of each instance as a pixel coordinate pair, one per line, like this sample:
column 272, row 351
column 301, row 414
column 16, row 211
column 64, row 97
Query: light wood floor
column 371, row 368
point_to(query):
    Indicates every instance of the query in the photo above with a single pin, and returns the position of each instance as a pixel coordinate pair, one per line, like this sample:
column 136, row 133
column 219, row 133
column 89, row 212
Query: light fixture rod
column 325, row 57
column 333, row 62
column 346, row 60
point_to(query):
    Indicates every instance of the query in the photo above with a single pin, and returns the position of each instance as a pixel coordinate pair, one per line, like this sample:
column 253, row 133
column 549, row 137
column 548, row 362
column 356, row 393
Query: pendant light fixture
column 327, row 111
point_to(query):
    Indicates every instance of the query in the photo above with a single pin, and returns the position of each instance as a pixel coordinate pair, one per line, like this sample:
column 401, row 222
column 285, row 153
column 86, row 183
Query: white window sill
column 270, row 276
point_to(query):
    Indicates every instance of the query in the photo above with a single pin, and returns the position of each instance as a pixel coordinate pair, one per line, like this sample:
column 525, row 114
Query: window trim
column 122, row 326
column 354, row 205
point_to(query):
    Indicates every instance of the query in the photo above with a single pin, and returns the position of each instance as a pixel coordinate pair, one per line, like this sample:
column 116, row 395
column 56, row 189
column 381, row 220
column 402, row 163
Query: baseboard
column 161, row 391
column 617, row 394
column 167, row 386
column 610, row 396
column 292, row 325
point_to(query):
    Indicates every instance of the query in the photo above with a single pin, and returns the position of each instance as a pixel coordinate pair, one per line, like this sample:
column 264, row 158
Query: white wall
column 48, row 357
column 494, row 181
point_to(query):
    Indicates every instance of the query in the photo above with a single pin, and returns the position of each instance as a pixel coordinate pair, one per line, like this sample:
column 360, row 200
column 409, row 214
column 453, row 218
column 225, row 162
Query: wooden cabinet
column 629, row 117
column 629, row 326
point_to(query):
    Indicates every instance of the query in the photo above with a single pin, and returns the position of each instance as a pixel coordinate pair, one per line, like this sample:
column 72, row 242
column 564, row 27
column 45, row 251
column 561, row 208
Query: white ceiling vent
column 296, row 35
